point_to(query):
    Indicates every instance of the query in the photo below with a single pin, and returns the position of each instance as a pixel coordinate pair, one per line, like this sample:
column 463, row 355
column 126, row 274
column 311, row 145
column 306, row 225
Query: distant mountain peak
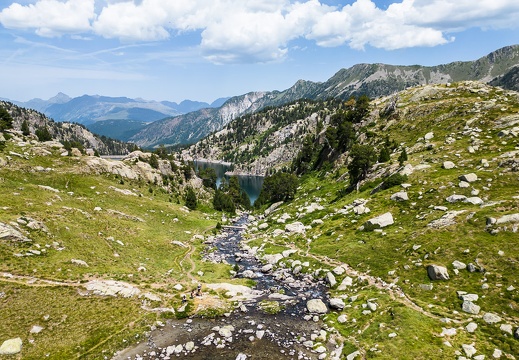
column 59, row 98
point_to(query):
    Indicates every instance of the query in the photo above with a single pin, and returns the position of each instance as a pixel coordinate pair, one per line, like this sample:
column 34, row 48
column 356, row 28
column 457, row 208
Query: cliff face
column 373, row 80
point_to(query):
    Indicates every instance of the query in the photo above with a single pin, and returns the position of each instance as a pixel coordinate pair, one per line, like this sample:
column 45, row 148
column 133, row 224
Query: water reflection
column 251, row 184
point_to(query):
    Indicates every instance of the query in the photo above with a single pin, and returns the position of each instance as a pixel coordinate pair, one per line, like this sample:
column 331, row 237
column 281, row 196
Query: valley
column 387, row 229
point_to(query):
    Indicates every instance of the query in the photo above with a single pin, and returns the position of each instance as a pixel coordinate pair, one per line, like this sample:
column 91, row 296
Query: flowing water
column 255, row 334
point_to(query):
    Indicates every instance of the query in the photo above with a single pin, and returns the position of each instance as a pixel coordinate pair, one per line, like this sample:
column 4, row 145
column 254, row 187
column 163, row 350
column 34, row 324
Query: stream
column 248, row 332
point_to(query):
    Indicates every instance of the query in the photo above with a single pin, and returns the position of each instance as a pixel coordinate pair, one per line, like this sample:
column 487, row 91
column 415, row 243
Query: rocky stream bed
column 280, row 318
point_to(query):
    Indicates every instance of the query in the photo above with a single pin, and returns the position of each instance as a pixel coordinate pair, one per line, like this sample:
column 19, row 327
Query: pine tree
column 25, row 128
column 403, row 157
column 384, row 155
column 191, row 201
column 6, row 121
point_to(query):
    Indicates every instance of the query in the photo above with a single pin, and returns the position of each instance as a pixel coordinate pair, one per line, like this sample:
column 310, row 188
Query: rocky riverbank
column 279, row 318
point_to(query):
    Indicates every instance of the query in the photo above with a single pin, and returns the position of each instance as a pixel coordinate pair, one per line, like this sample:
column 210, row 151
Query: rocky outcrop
column 7, row 232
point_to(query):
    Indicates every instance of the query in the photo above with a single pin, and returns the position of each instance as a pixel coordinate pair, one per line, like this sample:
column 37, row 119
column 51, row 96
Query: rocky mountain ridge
column 64, row 132
column 373, row 80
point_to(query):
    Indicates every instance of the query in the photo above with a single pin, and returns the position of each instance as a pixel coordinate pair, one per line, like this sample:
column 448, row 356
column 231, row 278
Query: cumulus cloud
column 50, row 18
column 252, row 31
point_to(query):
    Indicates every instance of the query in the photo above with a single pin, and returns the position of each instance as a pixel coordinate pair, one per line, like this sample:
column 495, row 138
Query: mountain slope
column 369, row 79
column 65, row 132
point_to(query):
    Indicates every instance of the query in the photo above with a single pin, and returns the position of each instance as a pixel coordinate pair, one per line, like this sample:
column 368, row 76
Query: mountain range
column 123, row 115
column 152, row 123
column 498, row 68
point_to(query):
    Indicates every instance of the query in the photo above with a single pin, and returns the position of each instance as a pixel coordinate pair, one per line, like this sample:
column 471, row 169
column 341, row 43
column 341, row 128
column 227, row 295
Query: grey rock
column 491, row 318
column 459, row 265
column 516, row 333
column 400, row 196
column 469, row 297
column 267, row 268
column 342, row 319
column 469, row 177
column 471, row 327
column 426, row 287
column 272, row 258
column 346, row 282
column 7, row 232
column 79, row 262
column 472, row 268
column 469, row 350
column 448, row 165
column 316, row 306
column 336, row 303
column 470, row 308
column 11, row 346
column 512, row 218
column 353, row 355
column 272, row 208
column 330, row 279
column 474, row 200
column 507, row 328
column 456, row 198
column 295, row 228
column 379, row 222
column 437, row 272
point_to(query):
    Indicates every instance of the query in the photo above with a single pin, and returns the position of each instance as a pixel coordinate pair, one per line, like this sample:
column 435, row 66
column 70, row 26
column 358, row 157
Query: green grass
column 114, row 246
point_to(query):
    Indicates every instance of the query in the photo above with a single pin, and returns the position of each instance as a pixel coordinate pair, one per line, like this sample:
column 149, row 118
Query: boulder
column 316, row 306
column 400, row 196
column 429, row 136
column 11, row 346
column 437, row 272
column 295, row 228
column 361, row 209
column 470, row 308
column 474, row 200
column 456, row 198
column 336, row 303
column 272, row 258
column 347, row 281
column 342, row 319
column 330, row 279
column 339, row 270
column 469, row 350
column 471, row 327
column 512, row 218
column 491, row 318
column 469, row 177
column 379, row 222
column 447, row 165
column 516, row 333
column 79, row 262
column 272, row 208
column 459, row 265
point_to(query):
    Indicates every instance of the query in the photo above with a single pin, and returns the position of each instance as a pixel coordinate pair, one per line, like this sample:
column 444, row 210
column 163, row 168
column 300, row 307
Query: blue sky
column 206, row 49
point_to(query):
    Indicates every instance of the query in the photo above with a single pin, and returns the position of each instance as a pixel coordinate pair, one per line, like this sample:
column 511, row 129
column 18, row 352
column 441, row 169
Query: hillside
column 408, row 258
column 65, row 132
column 419, row 257
column 373, row 80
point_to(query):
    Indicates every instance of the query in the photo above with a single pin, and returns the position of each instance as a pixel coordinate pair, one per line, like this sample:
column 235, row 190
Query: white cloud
column 254, row 30
column 50, row 17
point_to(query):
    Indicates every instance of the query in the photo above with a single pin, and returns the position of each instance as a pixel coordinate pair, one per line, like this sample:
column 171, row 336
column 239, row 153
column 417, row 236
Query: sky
column 207, row 49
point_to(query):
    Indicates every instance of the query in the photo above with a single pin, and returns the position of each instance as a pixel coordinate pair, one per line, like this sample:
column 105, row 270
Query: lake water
column 249, row 183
